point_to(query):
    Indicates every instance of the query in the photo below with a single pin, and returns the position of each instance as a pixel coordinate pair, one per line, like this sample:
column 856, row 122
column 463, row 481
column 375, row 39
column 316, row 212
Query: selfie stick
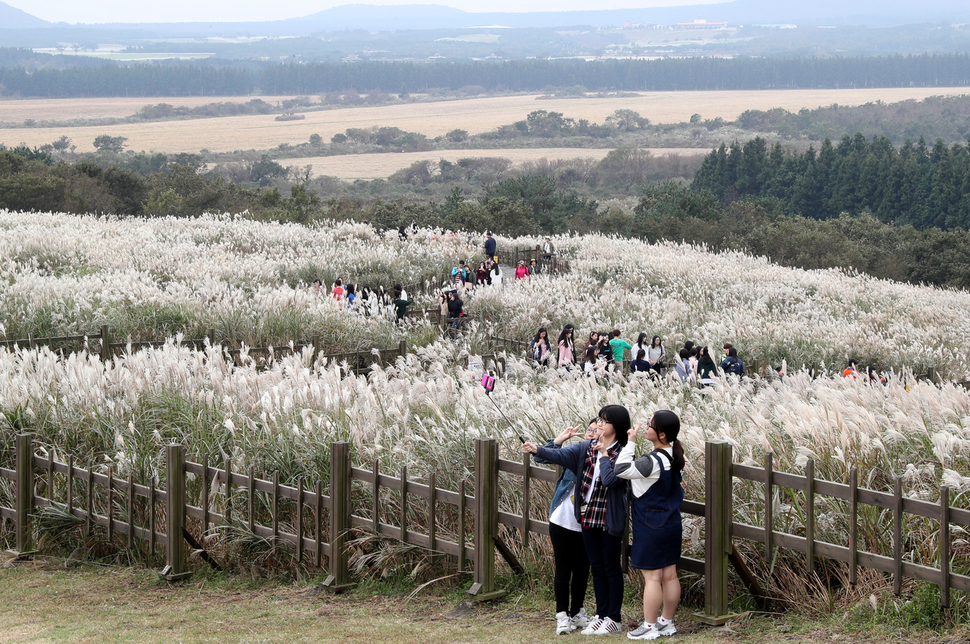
column 488, row 382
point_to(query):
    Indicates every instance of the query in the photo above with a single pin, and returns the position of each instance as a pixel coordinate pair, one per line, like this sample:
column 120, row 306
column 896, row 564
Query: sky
column 101, row 11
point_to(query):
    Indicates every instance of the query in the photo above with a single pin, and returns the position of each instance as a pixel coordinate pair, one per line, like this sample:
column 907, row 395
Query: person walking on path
column 566, row 356
column 566, row 534
column 600, row 507
column 619, row 345
column 489, row 245
column 658, row 531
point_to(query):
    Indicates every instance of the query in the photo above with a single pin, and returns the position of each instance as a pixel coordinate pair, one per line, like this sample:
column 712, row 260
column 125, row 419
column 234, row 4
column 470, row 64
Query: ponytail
column 679, row 460
column 667, row 423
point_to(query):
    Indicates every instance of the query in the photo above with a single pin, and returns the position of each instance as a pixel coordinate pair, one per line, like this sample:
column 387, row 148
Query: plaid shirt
column 594, row 515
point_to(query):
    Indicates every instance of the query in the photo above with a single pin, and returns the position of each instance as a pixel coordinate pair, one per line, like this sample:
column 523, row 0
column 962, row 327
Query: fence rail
column 315, row 522
column 102, row 344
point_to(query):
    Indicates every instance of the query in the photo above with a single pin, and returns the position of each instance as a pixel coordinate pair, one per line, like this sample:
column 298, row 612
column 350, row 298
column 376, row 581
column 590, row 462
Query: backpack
column 733, row 366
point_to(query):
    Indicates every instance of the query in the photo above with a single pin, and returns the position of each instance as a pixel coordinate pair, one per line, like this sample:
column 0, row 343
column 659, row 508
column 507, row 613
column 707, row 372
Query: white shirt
column 639, row 482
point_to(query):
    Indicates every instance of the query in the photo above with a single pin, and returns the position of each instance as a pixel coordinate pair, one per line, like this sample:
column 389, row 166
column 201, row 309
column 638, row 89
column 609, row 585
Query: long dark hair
column 539, row 333
column 667, row 423
column 619, row 417
column 704, row 358
column 654, row 343
column 640, row 339
column 565, row 330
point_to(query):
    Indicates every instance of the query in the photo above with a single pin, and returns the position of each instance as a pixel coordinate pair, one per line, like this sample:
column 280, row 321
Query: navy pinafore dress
column 657, row 528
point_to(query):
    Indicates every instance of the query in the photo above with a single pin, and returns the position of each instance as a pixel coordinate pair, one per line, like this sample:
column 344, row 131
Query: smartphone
column 488, row 382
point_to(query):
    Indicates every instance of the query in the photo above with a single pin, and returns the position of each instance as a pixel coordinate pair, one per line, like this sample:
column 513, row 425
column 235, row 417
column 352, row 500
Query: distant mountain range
column 872, row 13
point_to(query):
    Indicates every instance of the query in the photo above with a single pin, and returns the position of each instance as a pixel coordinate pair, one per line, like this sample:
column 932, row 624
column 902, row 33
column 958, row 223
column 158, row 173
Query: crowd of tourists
column 606, row 351
column 367, row 301
column 589, row 512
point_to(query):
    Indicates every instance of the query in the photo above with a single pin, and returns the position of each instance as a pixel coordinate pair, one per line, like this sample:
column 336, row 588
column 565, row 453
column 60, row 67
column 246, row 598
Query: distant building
column 701, row 24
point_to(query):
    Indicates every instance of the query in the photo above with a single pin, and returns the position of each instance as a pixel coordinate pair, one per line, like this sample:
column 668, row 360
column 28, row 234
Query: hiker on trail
column 489, row 245
column 656, row 355
column 548, row 249
column 521, row 272
column 618, row 346
column 658, row 530
column 566, row 356
column 534, row 268
column 540, row 348
column 640, row 363
column 401, row 307
column 706, row 367
column 455, row 311
column 337, row 292
column 731, row 365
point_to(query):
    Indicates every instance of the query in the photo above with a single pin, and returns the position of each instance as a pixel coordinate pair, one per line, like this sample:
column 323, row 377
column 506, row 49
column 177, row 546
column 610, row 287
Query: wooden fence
column 552, row 265
column 102, row 344
column 462, row 523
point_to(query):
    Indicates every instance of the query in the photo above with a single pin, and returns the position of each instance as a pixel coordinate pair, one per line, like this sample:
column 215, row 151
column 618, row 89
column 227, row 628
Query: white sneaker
column 663, row 630
column 580, row 619
column 563, row 623
column 607, row 627
column 642, row 632
column 592, row 625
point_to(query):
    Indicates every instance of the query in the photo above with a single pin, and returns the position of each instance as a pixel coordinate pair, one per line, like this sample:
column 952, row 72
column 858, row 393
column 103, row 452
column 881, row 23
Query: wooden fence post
column 717, row 531
column 105, row 344
column 24, row 500
column 486, row 519
column 340, row 474
column 177, row 565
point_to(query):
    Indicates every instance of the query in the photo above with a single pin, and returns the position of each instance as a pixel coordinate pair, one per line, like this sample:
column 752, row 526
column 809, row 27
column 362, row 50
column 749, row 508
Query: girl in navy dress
column 657, row 528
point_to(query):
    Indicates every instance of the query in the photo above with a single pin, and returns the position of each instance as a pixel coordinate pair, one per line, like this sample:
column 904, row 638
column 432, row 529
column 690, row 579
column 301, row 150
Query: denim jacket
column 572, row 458
column 565, row 482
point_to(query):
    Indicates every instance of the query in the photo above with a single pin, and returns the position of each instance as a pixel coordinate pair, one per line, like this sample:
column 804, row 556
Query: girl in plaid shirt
column 600, row 507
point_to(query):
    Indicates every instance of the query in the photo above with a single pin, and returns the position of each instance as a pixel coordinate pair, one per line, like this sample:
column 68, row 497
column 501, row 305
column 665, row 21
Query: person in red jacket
column 521, row 272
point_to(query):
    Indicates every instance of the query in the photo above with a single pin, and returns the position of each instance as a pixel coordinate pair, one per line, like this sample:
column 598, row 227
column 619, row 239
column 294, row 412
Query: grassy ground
column 41, row 601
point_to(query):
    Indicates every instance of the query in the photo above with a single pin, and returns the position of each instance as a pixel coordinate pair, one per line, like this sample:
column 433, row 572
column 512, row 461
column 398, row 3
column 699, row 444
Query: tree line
column 912, row 185
column 229, row 78
column 531, row 202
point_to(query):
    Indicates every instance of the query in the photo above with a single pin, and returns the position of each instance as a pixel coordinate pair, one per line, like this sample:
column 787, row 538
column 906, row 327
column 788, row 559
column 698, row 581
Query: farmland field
column 432, row 119
column 375, row 166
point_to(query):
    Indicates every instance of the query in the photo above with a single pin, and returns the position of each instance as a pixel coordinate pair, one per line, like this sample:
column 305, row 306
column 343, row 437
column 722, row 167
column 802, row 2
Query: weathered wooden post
column 24, row 499
column 486, row 520
column 177, row 566
column 717, row 530
column 105, row 344
column 340, row 474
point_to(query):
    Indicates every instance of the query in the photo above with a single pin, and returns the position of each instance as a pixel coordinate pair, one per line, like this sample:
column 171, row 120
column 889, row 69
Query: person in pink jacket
column 521, row 272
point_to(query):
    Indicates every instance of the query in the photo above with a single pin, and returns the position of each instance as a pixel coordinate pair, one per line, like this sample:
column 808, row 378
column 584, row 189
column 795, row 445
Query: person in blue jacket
column 600, row 508
column 568, row 550
column 657, row 528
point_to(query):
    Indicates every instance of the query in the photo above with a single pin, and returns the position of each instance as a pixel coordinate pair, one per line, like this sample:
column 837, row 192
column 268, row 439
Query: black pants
column 572, row 568
column 603, row 550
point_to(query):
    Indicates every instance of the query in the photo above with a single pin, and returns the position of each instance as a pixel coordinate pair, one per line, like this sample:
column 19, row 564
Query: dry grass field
column 377, row 166
column 433, row 119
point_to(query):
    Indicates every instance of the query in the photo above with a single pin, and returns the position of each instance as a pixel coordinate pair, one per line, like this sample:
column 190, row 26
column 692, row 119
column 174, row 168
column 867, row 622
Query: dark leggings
column 603, row 550
column 572, row 568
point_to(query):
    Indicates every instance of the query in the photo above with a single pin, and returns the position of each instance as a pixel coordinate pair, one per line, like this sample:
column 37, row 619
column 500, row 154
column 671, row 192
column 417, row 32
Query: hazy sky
column 98, row 11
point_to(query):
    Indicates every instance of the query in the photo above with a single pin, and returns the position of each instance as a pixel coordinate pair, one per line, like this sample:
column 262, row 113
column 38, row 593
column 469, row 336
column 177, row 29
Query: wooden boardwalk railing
column 145, row 513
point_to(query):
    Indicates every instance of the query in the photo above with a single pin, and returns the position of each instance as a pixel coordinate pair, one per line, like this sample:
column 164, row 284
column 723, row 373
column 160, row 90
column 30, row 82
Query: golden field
column 378, row 166
column 432, row 119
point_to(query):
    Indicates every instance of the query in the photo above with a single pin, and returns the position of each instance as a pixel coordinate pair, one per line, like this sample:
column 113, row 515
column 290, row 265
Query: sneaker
column 642, row 632
column 592, row 625
column 663, row 629
column 580, row 619
column 607, row 627
column 563, row 623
